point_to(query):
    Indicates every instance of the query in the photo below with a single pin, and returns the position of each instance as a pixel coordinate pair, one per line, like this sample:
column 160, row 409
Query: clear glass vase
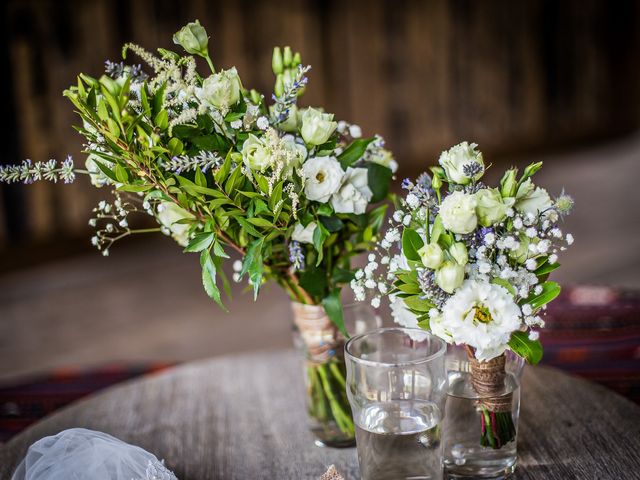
column 481, row 419
column 322, row 348
column 396, row 383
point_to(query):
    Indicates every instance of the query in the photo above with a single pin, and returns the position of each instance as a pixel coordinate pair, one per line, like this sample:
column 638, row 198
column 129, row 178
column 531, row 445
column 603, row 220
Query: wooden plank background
column 512, row 76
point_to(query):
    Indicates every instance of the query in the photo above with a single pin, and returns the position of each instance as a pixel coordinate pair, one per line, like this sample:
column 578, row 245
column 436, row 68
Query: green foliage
column 522, row 345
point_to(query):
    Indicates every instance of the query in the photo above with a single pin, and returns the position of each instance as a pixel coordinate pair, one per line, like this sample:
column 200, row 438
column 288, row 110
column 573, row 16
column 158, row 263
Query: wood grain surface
column 242, row 417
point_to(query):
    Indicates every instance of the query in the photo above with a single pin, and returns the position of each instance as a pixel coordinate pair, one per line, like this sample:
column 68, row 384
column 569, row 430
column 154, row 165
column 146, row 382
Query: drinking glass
column 397, row 387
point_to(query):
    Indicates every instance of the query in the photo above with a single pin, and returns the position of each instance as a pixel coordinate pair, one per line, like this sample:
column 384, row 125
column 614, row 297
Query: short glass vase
column 481, row 420
column 322, row 347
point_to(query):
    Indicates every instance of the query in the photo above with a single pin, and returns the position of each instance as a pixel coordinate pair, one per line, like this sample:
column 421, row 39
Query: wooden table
column 243, row 417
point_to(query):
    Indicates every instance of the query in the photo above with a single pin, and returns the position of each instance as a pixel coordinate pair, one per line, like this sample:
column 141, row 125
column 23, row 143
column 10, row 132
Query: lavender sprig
column 29, row 172
column 289, row 97
column 296, row 256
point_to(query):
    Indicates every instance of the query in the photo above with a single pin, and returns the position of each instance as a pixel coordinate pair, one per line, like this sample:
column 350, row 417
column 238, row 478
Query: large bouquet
column 287, row 188
column 474, row 264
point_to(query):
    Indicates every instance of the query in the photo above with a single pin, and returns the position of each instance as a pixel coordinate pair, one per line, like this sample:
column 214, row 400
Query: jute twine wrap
column 488, row 381
column 321, row 338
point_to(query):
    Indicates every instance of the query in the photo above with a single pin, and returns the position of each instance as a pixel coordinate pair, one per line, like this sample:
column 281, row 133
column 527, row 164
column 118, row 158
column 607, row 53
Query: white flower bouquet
column 474, row 262
column 222, row 167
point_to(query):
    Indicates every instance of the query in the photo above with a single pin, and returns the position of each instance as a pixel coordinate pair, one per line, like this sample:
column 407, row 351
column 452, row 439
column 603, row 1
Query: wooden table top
column 243, row 417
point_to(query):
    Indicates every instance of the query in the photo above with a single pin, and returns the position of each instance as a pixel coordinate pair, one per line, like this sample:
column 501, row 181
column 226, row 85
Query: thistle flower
column 564, row 204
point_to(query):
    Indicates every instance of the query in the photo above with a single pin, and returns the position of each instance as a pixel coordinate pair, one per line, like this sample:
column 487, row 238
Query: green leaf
column 209, row 278
column 376, row 217
column 437, row 229
column 325, row 209
column 522, row 345
column 410, row 288
column 411, row 243
column 354, row 152
column 121, row 174
column 332, row 224
column 201, row 241
column 106, row 170
column 342, row 275
column 379, row 178
column 314, row 281
column 175, row 146
column 252, row 264
column 134, row 188
column 418, row 304
column 212, row 142
column 333, row 306
column 320, row 234
column 161, row 120
column 550, row 290
column 503, row 283
column 546, row 268
column 248, row 227
column 260, row 222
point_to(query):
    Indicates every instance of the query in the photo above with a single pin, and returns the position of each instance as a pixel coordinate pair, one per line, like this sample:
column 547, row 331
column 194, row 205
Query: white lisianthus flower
column 483, row 316
column 385, row 158
column 221, row 89
column 316, row 126
column 168, row 214
column 458, row 212
column 255, row 154
column 97, row 176
column 354, row 194
column 490, row 207
column 323, row 177
column 450, row 276
column 460, row 160
column 431, row 255
column 534, row 201
column 304, row 234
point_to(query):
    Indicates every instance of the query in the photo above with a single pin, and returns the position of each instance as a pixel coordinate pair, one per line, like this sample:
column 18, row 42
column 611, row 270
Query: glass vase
column 396, row 383
column 322, row 347
column 481, row 419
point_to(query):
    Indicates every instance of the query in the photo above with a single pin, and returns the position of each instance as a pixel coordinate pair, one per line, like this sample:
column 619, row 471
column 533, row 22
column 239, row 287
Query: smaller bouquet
column 473, row 267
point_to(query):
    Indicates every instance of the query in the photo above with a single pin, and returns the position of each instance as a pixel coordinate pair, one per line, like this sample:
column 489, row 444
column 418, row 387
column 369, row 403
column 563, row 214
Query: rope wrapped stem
column 321, row 338
column 488, row 380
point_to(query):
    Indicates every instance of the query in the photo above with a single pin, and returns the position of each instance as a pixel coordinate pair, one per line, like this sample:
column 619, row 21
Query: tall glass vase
column 322, row 348
column 481, row 419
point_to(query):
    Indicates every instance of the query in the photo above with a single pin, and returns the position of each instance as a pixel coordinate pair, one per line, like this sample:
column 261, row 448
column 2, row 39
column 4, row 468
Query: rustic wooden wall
column 510, row 75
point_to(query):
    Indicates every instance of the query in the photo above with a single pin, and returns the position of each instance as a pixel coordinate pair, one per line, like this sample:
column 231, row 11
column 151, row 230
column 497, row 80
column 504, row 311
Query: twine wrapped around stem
column 488, row 380
column 321, row 338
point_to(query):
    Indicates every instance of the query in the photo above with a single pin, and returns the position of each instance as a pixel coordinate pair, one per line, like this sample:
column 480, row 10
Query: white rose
column 97, row 176
column 354, row 194
column 323, row 177
column 304, row 234
column 316, row 126
column 295, row 152
column 431, row 255
column 482, row 315
column 457, row 158
column 458, row 213
column 534, row 201
column 221, row 89
column 168, row 214
column 459, row 253
column 255, row 154
column 450, row 276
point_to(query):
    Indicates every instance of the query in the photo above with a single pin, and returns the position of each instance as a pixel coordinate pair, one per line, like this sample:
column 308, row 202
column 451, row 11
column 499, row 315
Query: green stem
column 213, row 70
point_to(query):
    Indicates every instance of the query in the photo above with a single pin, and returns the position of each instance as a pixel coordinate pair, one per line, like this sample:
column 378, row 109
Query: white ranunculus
column 458, row 212
column 483, row 316
column 168, row 214
column 354, row 195
column 304, row 234
column 535, row 201
column 323, row 178
column 295, row 152
column 97, row 177
column 255, row 154
column 385, row 158
column 450, row 276
column 221, row 89
column 457, row 158
column 431, row 255
column 316, row 126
